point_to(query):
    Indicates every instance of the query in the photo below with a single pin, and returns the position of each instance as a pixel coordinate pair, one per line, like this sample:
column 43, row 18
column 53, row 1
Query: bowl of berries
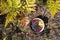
column 37, row 25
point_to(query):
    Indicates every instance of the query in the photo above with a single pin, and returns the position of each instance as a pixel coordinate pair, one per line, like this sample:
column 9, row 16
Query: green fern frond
column 53, row 6
column 5, row 11
column 4, row 8
column 28, row 5
column 10, row 7
column 14, row 3
column 10, row 17
column 9, row 2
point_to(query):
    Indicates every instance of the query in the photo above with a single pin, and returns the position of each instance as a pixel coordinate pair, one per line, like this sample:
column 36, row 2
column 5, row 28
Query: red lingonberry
column 38, row 29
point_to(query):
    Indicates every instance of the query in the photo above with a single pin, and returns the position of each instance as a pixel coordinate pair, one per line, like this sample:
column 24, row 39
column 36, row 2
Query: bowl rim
column 42, row 27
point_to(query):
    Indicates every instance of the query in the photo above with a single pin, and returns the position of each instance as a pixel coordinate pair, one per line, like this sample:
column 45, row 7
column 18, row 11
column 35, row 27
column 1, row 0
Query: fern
column 28, row 5
column 12, row 8
column 4, row 8
column 10, row 17
column 53, row 6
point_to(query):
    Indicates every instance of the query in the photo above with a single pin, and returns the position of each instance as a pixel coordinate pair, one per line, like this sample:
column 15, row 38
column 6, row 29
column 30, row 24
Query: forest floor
column 51, row 31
